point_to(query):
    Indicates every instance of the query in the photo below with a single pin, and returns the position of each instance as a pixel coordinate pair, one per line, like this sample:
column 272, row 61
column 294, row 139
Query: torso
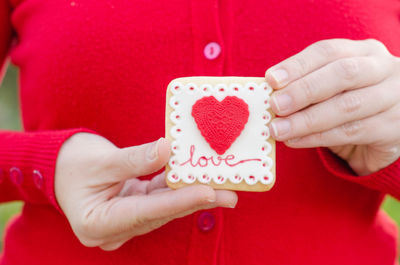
column 105, row 65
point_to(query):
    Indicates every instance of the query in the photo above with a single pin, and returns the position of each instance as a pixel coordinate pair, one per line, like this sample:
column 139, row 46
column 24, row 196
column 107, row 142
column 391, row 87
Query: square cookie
column 218, row 130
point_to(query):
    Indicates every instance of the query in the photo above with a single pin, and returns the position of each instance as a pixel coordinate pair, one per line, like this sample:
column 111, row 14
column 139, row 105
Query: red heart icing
column 220, row 123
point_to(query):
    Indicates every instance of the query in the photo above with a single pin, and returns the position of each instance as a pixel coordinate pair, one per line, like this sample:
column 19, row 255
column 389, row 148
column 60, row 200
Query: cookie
column 218, row 131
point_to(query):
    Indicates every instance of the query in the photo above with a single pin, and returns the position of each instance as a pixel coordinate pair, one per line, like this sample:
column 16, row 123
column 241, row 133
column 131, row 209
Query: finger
column 379, row 129
column 159, row 190
column 328, row 81
column 141, row 160
column 158, row 182
column 112, row 246
column 224, row 198
column 343, row 108
column 136, row 211
column 175, row 202
column 134, row 186
column 318, row 55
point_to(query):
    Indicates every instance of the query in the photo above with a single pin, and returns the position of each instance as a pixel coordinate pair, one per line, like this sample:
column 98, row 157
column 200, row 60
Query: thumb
column 143, row 159
column 137, row 214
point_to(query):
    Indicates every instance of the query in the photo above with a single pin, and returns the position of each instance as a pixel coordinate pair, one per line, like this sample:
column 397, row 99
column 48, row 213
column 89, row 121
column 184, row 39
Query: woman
column 93, row 76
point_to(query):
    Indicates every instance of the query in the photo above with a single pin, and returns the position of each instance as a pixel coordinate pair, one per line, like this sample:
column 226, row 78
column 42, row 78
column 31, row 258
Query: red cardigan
column 105, row 65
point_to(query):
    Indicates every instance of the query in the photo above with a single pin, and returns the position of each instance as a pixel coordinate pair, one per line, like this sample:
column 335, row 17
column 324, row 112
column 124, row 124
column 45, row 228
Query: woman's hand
column 106, row 205
column 340, row 94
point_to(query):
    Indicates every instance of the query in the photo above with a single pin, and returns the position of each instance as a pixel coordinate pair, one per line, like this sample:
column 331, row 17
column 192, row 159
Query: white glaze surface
column 251, row 143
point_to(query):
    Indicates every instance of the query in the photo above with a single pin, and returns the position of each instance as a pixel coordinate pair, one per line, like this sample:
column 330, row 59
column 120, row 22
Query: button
column 38, row 179
column 16, row 176
column 1, row 175
column 206, row 221
column 212, row 50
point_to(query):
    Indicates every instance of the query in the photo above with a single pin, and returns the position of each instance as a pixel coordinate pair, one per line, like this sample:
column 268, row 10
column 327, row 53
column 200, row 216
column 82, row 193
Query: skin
column 341, row 94
column 97, row 188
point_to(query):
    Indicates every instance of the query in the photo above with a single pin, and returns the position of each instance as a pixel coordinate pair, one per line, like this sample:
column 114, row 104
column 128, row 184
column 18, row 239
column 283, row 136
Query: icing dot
column 177, row 116
column 236, row 89
column 251, row 88
column 266, row 178
column 265, row 148
column 175, row 148
column 264, row 165
column 173, row 162
column 221, row 89
column 205, row 88
column 191, row 88
column 266, row 101
column 178, row 130
column 263, row 133
column 176, row 103
column 204, row 176
column 190, row 177
column 174, row 176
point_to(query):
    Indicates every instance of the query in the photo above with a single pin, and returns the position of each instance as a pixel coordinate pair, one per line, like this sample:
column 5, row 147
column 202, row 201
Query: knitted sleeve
column 27, row 164
column 386, row 180
column 27, row 159
column 5, row 34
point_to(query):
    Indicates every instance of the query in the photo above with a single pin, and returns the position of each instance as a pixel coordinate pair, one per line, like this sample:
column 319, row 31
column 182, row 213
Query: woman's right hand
column 96, row 186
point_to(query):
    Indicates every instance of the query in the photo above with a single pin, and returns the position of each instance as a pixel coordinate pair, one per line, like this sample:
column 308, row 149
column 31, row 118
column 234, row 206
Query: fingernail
column 211, row 200
column 280, row 76
column 280, row 127
column 152, row 152
column 282, row 101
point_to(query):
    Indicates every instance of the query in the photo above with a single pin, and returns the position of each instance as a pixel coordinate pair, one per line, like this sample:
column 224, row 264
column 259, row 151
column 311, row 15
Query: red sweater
column 105, row 65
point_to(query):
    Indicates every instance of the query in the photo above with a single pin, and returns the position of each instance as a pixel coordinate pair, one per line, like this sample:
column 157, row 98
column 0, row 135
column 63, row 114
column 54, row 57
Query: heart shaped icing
column 220, row 123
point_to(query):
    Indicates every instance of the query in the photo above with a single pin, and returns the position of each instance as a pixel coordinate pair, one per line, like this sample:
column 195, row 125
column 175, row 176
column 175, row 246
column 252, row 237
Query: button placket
column 206, row 221
column 207, row 237
column 212, row 50
column 208, row 52
column 38, row 179
column 2, row 177
column 16, row 176
column 207, row 38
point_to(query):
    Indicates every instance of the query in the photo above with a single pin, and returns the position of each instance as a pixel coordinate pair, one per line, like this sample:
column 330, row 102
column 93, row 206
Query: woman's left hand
column 341, row 94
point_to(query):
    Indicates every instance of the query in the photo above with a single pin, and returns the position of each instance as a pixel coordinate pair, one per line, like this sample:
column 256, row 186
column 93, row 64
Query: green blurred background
column 10, row 119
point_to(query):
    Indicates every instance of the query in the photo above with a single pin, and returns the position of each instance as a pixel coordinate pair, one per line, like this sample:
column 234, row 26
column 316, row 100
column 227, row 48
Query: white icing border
column 182, row 99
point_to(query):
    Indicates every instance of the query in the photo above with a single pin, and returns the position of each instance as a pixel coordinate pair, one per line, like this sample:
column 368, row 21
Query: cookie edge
column 243, row 186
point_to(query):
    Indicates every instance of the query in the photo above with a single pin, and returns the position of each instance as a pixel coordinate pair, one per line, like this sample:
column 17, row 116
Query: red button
column 1, row 175
column 16, row 176
column 212, row 50
column 206, row 221
column 38, row 179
